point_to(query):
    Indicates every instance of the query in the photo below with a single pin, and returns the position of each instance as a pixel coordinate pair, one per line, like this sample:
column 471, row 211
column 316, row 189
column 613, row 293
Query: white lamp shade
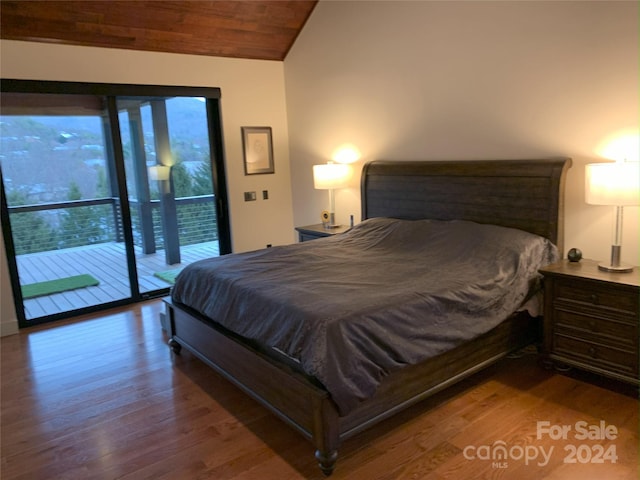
column 331, row 175
column 615, row 184
column 159, row 172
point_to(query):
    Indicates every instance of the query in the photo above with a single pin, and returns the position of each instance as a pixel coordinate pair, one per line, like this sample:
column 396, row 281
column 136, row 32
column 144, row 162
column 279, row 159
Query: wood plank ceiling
column 253, row 29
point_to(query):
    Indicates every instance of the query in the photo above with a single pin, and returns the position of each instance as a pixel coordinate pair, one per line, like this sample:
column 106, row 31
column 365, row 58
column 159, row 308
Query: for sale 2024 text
column 499, row 453
column 582, row 453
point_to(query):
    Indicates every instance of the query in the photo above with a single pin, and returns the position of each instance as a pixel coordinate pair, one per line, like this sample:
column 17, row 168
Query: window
column 117, row 185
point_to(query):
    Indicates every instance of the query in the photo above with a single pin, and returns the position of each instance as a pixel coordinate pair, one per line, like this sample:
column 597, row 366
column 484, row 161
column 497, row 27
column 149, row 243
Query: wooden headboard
column 524, row 194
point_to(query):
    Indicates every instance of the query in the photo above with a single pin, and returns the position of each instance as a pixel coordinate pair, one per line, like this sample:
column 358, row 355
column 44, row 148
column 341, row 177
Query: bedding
column 352, row 308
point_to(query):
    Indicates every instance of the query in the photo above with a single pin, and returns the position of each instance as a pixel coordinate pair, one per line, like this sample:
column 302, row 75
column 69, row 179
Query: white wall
column 466, row 80
column 252, row 95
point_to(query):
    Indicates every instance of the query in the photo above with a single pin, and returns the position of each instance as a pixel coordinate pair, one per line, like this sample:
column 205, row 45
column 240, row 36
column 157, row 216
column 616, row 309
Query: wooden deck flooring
column 107, row 263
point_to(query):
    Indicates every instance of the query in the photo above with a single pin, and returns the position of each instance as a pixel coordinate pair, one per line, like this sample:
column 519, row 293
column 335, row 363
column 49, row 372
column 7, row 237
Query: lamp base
column 615, row 265
column 332, row 221
column 623, row 268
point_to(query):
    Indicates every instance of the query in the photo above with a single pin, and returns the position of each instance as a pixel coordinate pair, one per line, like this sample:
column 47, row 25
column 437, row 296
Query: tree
column 202, row 180
column 181, row 180
column 30, row 231
column 102, row 187
column 82, row 225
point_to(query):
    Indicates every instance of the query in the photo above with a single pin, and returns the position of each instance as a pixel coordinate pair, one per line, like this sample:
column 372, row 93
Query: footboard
column 308, row 407
column 303, row 405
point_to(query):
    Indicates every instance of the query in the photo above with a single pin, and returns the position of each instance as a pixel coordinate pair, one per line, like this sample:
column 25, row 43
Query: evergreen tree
column 30, row 231
column 202, row 181
column 82, row 225
column 102, row 188
column 181, row 180
column 195, row 221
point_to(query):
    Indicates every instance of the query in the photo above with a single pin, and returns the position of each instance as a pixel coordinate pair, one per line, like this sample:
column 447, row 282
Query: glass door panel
column 63, row 208
column 105, row 198
column 169, row 180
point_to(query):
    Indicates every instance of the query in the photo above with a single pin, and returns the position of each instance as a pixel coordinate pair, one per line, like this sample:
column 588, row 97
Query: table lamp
column 159, row 172
column 616, row 184
column 329, row 177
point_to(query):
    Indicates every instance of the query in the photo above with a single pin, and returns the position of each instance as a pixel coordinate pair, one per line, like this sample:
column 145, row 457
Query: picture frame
column 257, row 148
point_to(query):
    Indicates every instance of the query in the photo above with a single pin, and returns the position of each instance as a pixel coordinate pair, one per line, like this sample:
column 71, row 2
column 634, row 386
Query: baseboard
column 9, row 327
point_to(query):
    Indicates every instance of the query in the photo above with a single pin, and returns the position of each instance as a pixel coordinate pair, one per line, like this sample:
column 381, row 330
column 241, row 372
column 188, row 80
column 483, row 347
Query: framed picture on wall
column 258, row 150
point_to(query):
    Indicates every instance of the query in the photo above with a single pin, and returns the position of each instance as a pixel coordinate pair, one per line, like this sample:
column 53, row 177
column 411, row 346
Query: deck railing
column 57, row 225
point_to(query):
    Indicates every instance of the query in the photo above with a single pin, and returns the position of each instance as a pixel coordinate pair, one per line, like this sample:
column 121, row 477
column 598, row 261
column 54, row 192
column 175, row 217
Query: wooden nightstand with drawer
column 313, row 232
column 591, row 319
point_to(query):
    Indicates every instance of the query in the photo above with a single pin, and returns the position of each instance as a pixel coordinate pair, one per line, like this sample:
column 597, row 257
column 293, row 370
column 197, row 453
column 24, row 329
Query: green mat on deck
column 168, row 276
column 40, row 289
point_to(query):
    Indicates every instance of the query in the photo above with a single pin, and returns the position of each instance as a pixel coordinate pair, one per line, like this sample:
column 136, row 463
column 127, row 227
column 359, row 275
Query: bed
column 328, row 360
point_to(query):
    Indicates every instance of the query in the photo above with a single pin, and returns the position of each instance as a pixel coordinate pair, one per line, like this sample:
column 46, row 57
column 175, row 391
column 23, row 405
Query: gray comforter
column 387, row 293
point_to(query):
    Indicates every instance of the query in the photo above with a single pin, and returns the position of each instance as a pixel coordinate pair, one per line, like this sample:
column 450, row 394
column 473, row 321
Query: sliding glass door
column 108, row 192
column 169, row 180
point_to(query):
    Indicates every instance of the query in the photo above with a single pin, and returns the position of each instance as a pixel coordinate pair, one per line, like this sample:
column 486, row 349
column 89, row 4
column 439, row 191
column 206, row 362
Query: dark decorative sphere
column 574, row 255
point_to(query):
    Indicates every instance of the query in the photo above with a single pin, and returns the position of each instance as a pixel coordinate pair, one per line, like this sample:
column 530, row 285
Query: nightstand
column 312, row 232
column 591, row 318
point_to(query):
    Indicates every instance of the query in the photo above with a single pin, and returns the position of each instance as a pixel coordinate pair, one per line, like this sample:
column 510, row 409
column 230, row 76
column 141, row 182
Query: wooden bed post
column 326, row 434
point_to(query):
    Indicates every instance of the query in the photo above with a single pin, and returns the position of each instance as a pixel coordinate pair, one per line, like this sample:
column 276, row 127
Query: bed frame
column 524, row 194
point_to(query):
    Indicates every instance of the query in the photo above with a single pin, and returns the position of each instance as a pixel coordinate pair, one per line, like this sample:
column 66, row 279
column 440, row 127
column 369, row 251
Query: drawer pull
column 593, row 352
column 594, row 299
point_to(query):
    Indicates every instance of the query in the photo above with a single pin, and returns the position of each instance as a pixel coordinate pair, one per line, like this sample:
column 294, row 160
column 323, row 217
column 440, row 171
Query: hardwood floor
column 101, row 397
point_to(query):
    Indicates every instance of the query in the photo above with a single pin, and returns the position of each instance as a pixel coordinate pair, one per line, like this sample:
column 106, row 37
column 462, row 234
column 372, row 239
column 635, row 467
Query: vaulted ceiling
column 254, row 29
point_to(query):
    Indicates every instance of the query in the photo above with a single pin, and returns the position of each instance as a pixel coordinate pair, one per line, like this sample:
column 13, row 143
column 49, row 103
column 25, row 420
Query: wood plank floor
column 101, row 397
column 107, row 263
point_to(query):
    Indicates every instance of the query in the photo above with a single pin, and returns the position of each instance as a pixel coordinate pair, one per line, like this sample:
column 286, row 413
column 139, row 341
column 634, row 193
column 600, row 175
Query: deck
column 107, row 263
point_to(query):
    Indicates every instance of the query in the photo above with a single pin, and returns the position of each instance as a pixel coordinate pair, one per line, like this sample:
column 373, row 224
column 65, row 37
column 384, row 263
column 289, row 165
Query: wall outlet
column 249, row 196
column 265, row 194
